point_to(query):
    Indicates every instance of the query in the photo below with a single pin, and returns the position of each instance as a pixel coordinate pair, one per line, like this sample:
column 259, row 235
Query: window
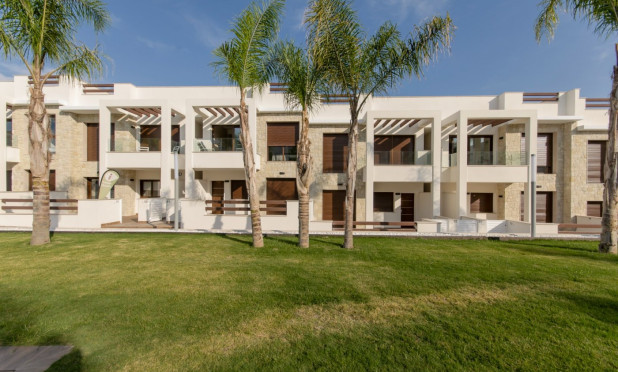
column 383, row 202
column 149, row 188
column 335, row 153
column 9, row 180
column 544, row 206
column 594, row 209
column 394, row 150
column 281, row 139
column 239, row 189
column 150, row 138
column 481, row 202
column 175, row 136
column 52, row 133
column 480, row 150
column 92, row 142
column 280, row 189
column 544, row 153
column 226, row 138
column 596, row 160
column 9, row 132
column 52, row 180
column 92, row 188
column 452, row 151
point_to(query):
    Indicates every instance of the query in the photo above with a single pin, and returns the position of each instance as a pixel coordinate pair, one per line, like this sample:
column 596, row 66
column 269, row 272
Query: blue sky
column 167, row 42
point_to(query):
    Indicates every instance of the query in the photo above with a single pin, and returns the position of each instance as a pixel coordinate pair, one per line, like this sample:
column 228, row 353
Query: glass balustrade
column 402, row 157
column 133, row 145
column 216, row 144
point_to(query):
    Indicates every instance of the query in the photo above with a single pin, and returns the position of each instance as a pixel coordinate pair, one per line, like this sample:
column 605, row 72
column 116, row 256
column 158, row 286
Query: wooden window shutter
column 481, row 203
column 544, row 207
column 335, row 153
column 282, row 134
column 280, row 189
column 544, row 153
column 333, row 205
column 92, row 142
column 383, row 202
column 596, row 159
column 239, row 189
column 594, row 209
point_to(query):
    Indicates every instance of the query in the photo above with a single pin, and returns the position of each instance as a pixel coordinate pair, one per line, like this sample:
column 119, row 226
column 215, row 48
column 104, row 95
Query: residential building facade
column 419, row 157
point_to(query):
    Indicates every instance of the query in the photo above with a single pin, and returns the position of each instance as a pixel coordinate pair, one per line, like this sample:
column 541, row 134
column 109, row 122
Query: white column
column 462, row 164
column 190, row 187
column 436, row 164
column 531, row 141
column 370, row 167
column 167, row 161
column 3, row 166
column 104, row 137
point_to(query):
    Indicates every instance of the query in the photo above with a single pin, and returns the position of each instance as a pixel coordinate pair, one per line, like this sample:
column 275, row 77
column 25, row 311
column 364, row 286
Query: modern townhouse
column 422, row 159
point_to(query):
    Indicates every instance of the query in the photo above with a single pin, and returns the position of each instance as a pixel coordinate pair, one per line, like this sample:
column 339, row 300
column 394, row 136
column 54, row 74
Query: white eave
column 592, row 127
column 562, row 119
column 47, row 103
column 80, row 109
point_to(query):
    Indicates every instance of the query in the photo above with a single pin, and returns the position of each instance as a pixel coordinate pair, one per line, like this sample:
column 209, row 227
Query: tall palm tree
column 302, row 76
column 358, row 67
column 241, row 61
column 41, row 33
column 602, row 15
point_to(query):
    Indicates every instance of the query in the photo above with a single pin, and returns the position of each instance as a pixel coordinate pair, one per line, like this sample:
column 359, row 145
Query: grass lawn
column 157, row 302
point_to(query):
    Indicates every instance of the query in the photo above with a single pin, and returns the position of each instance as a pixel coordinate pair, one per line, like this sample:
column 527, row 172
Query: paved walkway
column 30, row 358
column 131, row 222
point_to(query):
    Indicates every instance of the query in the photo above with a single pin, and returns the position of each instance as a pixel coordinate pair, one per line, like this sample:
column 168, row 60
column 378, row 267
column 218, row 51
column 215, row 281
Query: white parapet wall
column 518, row 227
column 194, row 217
column 91, row 214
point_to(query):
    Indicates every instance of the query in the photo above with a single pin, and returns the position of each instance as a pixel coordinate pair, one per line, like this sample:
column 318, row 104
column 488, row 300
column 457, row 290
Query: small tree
column 358, row 67
column 302, row 76
column 241, row 61
column 603, row 16
column 41, row 33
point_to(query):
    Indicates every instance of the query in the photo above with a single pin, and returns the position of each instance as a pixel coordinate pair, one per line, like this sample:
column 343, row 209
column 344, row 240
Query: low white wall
column 194, row 217
column 91, row 214
column 518, row 227
column 428, row 226
column 585, row 220
column 28, row 194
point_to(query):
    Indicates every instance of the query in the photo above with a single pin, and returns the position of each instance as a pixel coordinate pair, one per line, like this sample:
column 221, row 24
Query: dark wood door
column 333, row 205
column 239, row 189
column 481, row 202
column 217, row 195
column 544, row 207
column 281, row 189
column 92, row 142
column 407, row 207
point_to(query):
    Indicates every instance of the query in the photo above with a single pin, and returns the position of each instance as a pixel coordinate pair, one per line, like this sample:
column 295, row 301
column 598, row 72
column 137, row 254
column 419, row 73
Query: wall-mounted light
column 500, row 196
column 281, row 173
column 501, row 138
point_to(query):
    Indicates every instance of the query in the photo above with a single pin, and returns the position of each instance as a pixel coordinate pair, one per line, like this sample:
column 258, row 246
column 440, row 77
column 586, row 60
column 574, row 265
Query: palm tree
column 602, row 15
column 302, row 76
column 241, row 61
column 358, row 67
column 41, row 33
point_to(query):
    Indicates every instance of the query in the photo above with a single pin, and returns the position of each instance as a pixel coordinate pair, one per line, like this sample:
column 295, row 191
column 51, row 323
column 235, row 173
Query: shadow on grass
column 600, row 308
column 336, row 244
column 72, row 362
column 236, row 239
column 549, row 249
column 288, row 240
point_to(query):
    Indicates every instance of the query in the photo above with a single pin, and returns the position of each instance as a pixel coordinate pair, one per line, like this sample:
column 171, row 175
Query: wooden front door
column 281, row 189
column 544, row 207
column 218, row 194
column 407, row 207
column 239, row 190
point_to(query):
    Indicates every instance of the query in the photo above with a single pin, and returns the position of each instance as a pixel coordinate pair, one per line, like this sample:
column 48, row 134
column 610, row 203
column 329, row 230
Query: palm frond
column 601, row 15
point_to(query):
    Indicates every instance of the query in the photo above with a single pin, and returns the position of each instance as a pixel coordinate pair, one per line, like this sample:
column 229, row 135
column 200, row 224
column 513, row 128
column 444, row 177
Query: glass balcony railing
column 216, row 144
column 132, row 145
column 512, row 158
column 402, row 157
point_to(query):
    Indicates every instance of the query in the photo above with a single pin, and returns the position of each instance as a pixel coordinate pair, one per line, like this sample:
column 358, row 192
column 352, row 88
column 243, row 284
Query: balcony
column 12, row 151
column 218, row 153
column 402, row 166
column 128, row 153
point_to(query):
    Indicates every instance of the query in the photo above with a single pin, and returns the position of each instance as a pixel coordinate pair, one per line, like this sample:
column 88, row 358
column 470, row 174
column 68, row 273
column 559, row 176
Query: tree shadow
column 288, row 240
column 72, row 362
column 328, row 242
column 600, row 308
column 548, row 249
column 236, row 239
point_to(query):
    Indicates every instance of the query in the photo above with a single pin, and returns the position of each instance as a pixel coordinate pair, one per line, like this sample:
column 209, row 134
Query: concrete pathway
column 30, row 358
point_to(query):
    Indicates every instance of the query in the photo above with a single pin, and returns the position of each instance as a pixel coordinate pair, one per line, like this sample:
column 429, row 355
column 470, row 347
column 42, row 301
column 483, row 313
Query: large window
column 52, row 133
column 9, row 132
column 480, row 150
column 383, row 202
column 226, row 138
column 596, row 158
column 149, row 188
column 150, row 138
column 282, row 138
column 394, row 150
column 544, row 153
column 92, row 142
column 335, row 153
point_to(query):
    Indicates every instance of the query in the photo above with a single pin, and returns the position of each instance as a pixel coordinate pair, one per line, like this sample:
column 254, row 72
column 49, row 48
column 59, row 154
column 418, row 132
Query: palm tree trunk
column 303, row 179
column 254, row 197
column 38, row 132
column 348, row 241
column 609, row 223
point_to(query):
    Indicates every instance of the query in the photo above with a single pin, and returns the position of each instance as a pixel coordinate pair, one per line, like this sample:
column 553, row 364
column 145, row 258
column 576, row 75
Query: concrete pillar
column 190, row 187
column 436, row 164
column 167, row 159
column 3, row 167
column 104, row 137
column 531, row 130
column 462, row 164
column 369, row 170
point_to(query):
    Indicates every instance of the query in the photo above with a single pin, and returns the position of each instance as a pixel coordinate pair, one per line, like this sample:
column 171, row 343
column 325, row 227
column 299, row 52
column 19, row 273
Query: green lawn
column 157, row 302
